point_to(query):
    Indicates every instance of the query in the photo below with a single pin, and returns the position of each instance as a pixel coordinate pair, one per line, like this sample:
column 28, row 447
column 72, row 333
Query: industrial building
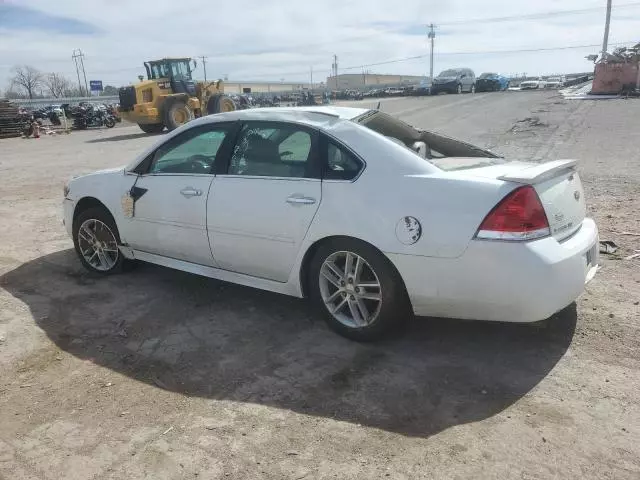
column 248, row 86
column 365, row 80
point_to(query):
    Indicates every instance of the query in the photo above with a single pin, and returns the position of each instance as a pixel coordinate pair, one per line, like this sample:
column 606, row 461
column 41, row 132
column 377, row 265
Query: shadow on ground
column 206, row 338
column 119, row 138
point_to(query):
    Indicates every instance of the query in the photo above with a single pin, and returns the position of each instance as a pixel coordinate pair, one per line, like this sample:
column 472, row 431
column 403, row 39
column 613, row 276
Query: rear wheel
column 360, row 293
column 473, row 88
column 96, row 240
column 459, row 89
column 176, row 114
column 151, row 127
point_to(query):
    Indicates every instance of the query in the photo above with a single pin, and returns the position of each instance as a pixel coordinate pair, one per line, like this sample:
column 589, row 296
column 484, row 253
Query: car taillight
column 519, row 216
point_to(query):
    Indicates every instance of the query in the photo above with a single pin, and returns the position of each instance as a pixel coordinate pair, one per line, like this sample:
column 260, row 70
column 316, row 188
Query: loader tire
column 176, row 113
column 151, row 127
column 220, row 104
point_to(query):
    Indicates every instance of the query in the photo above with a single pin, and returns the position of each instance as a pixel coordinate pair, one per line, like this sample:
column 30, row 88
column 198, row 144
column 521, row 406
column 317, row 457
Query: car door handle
column 190, row 192
column 301, row 200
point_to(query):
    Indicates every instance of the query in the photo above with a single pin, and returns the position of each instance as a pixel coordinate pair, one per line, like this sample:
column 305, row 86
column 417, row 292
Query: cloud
column 257, row 40
column 17, row 17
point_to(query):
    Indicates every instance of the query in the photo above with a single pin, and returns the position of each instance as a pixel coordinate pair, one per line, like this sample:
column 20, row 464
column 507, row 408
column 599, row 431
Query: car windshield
column 448, row 73
column 488, row 75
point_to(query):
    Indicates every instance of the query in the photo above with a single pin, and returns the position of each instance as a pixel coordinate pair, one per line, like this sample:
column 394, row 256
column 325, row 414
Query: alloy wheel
column 350, row 289
column 98, row 245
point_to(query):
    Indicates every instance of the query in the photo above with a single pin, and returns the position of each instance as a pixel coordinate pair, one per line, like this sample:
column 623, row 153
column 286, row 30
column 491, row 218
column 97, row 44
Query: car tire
column 96, row 240
column 176, row 113
column 352, row 297
column 473, row 88
column 151, row 127
column 459, row 89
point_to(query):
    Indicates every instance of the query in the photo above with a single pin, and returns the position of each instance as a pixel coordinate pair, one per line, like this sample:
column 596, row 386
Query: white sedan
column 370, row 218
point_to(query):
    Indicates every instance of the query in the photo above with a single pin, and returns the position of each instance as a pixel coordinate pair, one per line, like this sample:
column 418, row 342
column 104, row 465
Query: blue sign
column 95, row 85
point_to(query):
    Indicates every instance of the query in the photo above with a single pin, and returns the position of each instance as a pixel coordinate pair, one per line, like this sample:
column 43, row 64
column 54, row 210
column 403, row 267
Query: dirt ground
column 164, row 375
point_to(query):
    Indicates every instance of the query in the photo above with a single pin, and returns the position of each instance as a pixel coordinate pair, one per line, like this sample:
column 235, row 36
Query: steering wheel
column 200, row 163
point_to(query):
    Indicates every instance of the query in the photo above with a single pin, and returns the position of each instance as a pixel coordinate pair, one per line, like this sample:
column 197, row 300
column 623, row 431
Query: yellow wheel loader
column 170, row 98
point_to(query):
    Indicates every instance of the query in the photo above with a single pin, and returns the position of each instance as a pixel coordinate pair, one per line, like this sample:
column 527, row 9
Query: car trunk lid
column 557, row 184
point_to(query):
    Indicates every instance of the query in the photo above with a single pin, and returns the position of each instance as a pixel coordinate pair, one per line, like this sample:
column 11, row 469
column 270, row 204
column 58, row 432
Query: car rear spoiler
column 538, row 173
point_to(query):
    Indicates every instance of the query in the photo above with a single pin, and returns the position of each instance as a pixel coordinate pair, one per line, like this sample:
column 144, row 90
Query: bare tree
column 27, row 78
column 57, row 84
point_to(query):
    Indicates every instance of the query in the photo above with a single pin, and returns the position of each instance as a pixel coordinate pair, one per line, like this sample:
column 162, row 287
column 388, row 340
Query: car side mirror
column 420, row 148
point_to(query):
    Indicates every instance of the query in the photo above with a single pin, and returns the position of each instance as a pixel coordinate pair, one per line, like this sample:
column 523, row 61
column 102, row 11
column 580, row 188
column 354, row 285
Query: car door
column 172, row 189
column 262, row 203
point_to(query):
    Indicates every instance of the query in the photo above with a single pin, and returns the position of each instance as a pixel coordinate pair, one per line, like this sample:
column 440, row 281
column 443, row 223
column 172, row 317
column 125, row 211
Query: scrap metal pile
column 11, row 122
column 623, row 55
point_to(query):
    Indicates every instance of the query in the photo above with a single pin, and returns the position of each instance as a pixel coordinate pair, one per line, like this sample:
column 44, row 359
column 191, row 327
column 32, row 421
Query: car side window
column 272, row 150
column 341, row 164
column 192, row 152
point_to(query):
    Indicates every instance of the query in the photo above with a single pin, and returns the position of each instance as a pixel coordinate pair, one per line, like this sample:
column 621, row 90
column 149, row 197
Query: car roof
column 311, row 115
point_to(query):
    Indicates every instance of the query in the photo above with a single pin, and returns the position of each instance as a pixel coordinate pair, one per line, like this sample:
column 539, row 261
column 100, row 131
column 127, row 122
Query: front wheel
column 177, row 114
column 220, row 104
column 109, row 122
column 96, row 240
column 151, row 127
column 473, row 88
column 459, row 89
column 360, row 293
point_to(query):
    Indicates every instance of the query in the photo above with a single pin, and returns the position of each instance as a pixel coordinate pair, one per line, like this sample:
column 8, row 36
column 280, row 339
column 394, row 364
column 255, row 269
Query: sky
column 270, row 40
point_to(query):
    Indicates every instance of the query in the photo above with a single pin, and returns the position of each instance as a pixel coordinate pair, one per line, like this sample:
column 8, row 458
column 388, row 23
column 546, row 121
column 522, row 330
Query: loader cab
column 176, row 70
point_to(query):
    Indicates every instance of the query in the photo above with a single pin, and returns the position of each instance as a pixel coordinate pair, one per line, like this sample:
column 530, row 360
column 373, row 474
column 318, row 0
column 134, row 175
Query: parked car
column 455, row 80
column 533, row 84
column 419, row 91
column 491, row 82
column 393, row 92
column 554, row 82
column 297, row 201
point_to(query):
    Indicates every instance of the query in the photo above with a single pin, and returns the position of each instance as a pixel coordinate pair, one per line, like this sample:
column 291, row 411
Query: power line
column 531, row 16
column 77, row 57
column 418, row 57
column 538, row 16
column 431, row 36
column 204, row 66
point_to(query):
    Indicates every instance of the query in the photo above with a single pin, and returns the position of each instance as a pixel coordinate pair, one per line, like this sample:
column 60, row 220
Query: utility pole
column 605, row 41
column 204, row 65
column 335, row 69
column 431, row 36
column 311, row 76
column 78, row 57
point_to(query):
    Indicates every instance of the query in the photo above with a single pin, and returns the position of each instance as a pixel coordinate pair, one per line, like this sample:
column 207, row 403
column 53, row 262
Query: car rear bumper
column 502, row 281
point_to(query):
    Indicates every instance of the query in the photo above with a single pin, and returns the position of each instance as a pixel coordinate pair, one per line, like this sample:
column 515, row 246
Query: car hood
column 106, row 171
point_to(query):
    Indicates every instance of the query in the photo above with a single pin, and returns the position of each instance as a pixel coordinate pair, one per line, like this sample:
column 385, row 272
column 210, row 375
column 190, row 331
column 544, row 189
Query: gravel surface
column 165, row 375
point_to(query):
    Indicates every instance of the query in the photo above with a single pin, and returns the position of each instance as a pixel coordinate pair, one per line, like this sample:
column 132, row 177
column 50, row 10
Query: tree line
column 29, row 82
